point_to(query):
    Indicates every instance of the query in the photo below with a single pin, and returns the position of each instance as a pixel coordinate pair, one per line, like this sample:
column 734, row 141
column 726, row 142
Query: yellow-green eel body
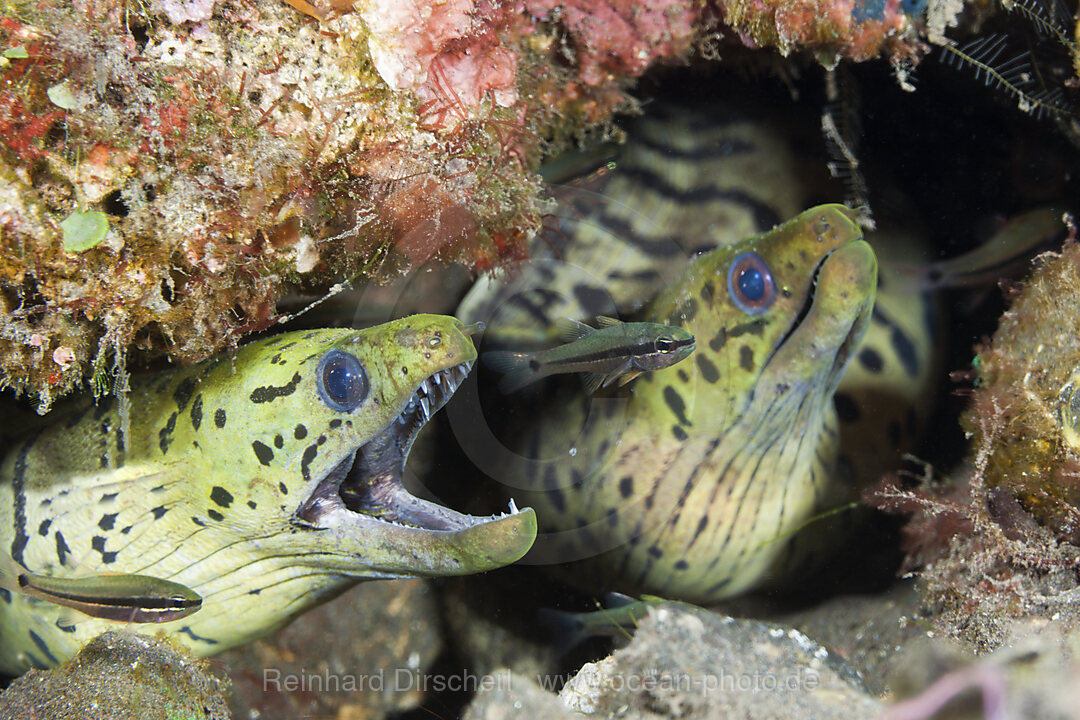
column 696, row 481
column 267, row 481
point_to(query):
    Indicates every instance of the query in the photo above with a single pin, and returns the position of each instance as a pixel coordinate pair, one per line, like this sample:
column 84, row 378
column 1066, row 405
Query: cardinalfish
column 121, row 597
column 616, row 351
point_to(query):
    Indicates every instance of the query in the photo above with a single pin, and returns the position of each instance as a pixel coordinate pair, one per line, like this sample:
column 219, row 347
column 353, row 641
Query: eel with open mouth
column 265, row 482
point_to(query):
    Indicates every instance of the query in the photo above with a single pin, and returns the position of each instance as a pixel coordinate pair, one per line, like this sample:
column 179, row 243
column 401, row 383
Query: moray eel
column 266, row 482
column 694, row 482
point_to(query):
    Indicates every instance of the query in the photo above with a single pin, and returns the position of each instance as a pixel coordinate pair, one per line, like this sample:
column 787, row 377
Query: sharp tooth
column 513, row 507
column 425, row 389
column 437, row 378
column 426, row 405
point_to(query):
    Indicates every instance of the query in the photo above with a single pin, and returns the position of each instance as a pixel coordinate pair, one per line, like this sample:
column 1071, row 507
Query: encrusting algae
column 1028, row 380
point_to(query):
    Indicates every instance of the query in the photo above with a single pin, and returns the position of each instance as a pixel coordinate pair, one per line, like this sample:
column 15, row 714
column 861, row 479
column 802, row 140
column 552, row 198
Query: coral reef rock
column 120, row 676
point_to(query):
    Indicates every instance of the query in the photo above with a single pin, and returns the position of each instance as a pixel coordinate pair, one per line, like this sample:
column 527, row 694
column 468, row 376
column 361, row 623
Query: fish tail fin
column 516, row 367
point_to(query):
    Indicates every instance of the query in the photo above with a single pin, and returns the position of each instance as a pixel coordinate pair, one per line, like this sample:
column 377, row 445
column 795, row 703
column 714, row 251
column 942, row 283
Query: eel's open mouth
column 368, row 482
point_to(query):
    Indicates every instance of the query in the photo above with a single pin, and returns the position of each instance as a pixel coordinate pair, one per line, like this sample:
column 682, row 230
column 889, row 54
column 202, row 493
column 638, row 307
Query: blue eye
column 343, row 384
column 750, row 283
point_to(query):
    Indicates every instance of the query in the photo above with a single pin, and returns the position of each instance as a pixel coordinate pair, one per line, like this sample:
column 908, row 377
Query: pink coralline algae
column 449, row 53
column 621, row 38
column 188, row 10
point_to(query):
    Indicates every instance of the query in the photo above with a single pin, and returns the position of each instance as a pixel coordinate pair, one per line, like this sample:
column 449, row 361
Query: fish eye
column 342, row 382
column 665, row 344
column 750, row 283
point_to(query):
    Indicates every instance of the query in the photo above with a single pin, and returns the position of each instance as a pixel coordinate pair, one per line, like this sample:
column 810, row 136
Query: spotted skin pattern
column 206, row 491
column 691, row 484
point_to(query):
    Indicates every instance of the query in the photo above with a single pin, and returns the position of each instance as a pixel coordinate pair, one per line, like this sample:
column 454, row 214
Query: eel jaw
column 364, row 493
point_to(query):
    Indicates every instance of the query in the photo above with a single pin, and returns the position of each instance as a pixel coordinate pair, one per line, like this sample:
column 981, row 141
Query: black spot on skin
column 165, row 434
column 626, row 486
column 18, row 485
column 708, row 370
column 901, row 344
column 283, row 488
column 215, row 515
column 310, row 453
column 612, row 517
column 595, row 301
column 300, row 432
column 268, row 393
column 183, row 393
column 221, row 496
column 846, row 408
column 702, row 524
column 679, row 433
column 159, row 512
column 335, row 423
column 219, row 418
column 656, row 552
column 197, row 521
column 708, row 292
column 43, row 528
column 716, row 587
column 871, row 359
column 264, row 454
column 681, row 565
column 684, row 311
column 43, row 647
column 757, row 327
column 187, row 631
column 196, row 412
column 321, row 440
column 256, row 591
column 65, row 628
column 279, row 442
column 675, row 403
column 107, row 522
column 5, row 596
column 98, row 543
column 746, row 358
column 905, row 350
column 107, row 498
column 683, row 376
column 62, row 549
column 558, row 500
column 534, row 365
column 719, row 340
column 125, row 530
column 251, row 504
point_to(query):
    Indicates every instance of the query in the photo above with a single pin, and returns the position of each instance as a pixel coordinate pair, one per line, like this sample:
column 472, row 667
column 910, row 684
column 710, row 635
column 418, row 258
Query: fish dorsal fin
column 605, row 321
column 571, row 329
